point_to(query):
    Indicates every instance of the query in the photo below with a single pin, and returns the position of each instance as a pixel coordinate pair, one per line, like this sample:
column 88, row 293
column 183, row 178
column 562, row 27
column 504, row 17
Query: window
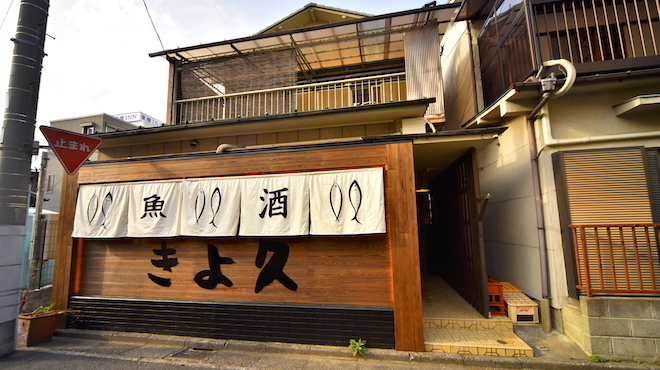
column 88, row 130
column 365, row 92
column 50, row 185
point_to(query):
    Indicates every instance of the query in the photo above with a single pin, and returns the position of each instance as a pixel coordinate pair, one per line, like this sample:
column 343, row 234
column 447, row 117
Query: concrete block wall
column 615, row 327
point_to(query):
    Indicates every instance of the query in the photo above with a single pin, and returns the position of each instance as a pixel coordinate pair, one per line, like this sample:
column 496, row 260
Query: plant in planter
column 38, row 326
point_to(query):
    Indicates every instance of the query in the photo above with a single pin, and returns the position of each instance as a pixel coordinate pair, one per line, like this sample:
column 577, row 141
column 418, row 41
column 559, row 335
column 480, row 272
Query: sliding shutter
column 607, row 187
column 611, row 216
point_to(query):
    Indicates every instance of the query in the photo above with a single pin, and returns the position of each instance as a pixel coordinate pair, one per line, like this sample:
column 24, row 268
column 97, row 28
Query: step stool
column 510, row 288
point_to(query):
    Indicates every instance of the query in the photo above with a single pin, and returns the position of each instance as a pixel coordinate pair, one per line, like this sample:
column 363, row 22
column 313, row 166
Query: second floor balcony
column 620, row 33
column 357, row 62
column 301, row 98
column 597, row 36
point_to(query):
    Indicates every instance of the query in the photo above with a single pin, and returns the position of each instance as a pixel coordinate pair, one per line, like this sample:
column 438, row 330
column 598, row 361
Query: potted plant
column 38, row 326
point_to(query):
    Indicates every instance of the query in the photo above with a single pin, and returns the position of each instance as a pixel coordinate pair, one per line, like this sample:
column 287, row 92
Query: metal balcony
column 590, row 31
column 301, row 98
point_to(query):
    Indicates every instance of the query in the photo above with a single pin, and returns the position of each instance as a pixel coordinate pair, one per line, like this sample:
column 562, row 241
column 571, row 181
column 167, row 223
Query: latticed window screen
column 614, row 236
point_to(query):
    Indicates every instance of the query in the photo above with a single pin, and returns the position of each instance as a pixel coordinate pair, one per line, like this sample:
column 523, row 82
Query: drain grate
column 194, row 353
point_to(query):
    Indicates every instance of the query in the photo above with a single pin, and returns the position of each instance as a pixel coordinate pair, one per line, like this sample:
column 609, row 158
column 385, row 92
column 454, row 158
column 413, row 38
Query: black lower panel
column 241, row 321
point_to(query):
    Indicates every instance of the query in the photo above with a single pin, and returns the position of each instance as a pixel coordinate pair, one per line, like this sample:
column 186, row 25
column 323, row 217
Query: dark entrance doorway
column 455, row 247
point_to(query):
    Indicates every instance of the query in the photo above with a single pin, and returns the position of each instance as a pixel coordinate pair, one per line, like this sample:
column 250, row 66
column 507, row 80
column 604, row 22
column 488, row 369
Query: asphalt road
column 48, row 359
column 35, row 360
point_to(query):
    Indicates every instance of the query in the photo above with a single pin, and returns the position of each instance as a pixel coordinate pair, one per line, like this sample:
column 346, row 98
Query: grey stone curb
column 373, row 354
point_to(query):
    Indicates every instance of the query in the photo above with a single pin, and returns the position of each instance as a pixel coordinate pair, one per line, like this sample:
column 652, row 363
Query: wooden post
column 404, row 244
column 64, row 243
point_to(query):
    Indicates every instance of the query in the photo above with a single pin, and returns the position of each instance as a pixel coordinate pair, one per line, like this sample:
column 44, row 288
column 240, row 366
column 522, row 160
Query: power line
column 3, row 19
column 152, row 24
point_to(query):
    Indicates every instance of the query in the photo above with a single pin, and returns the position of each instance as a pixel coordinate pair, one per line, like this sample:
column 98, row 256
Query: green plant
column 44, row 309
column 359, row 347
column 597, row 359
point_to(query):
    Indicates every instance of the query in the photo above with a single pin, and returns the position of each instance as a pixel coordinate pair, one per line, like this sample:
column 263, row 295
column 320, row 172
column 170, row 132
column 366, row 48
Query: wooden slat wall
column 401, row 241
column 359, row 156
column 343, row 270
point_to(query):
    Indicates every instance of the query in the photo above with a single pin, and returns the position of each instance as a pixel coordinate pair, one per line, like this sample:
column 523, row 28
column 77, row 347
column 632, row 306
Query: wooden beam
column 64, row 243
column 401, row 208
column 226, row 165
column 171, row 91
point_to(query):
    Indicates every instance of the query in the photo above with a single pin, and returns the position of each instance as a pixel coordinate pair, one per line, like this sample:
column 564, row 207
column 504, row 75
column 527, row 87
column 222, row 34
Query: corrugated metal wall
column 423, row 65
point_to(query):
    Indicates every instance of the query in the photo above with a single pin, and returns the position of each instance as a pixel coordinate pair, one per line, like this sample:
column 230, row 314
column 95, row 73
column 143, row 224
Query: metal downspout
column 548, row 93
column 546, row 321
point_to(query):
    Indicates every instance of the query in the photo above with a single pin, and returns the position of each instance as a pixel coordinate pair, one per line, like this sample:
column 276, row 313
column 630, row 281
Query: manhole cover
column 194, row 353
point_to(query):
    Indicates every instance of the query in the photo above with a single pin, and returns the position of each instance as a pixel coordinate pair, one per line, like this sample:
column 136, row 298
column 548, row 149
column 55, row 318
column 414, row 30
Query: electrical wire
column 3, row 19
column 152, row 24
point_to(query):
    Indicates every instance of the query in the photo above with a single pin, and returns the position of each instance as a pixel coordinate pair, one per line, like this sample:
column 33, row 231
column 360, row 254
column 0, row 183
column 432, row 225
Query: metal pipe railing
column 300, row 98
column 585, row 31
column 617, row 259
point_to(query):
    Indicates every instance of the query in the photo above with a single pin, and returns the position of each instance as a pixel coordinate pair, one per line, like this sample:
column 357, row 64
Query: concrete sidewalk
column 554, row 351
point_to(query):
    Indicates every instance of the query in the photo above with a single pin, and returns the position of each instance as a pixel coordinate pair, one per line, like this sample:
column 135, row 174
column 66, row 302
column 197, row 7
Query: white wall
column 510, row 235
column 458, row 76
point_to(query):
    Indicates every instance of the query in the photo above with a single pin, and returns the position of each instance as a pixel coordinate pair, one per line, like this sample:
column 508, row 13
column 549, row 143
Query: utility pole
column 16, row 140
column 38, row 231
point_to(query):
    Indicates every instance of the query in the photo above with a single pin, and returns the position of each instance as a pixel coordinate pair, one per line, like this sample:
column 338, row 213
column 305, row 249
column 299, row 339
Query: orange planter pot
column 37, row 329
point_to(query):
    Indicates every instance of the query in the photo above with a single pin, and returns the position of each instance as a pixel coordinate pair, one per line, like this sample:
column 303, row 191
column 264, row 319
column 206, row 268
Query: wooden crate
column 521, row 309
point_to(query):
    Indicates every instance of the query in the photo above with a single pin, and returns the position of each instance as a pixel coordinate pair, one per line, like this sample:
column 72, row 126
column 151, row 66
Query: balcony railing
column 302, row 98
column 585, row 31
column 617, row 259
column 595, row 35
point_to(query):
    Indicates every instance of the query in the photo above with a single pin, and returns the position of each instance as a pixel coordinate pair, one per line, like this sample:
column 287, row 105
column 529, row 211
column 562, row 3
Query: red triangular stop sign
column 71, row 149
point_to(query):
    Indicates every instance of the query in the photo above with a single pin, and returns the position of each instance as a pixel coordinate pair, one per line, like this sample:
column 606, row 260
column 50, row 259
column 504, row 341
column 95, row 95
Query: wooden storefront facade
column 347, row 286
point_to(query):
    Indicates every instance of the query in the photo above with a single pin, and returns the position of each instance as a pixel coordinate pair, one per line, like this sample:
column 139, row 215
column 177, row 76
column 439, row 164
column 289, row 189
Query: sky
column 97, row 50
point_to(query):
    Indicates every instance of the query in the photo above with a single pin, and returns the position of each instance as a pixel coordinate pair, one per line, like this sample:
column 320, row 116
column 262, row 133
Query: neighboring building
column 139, row 119
column 597, row 262
column 88, row 125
